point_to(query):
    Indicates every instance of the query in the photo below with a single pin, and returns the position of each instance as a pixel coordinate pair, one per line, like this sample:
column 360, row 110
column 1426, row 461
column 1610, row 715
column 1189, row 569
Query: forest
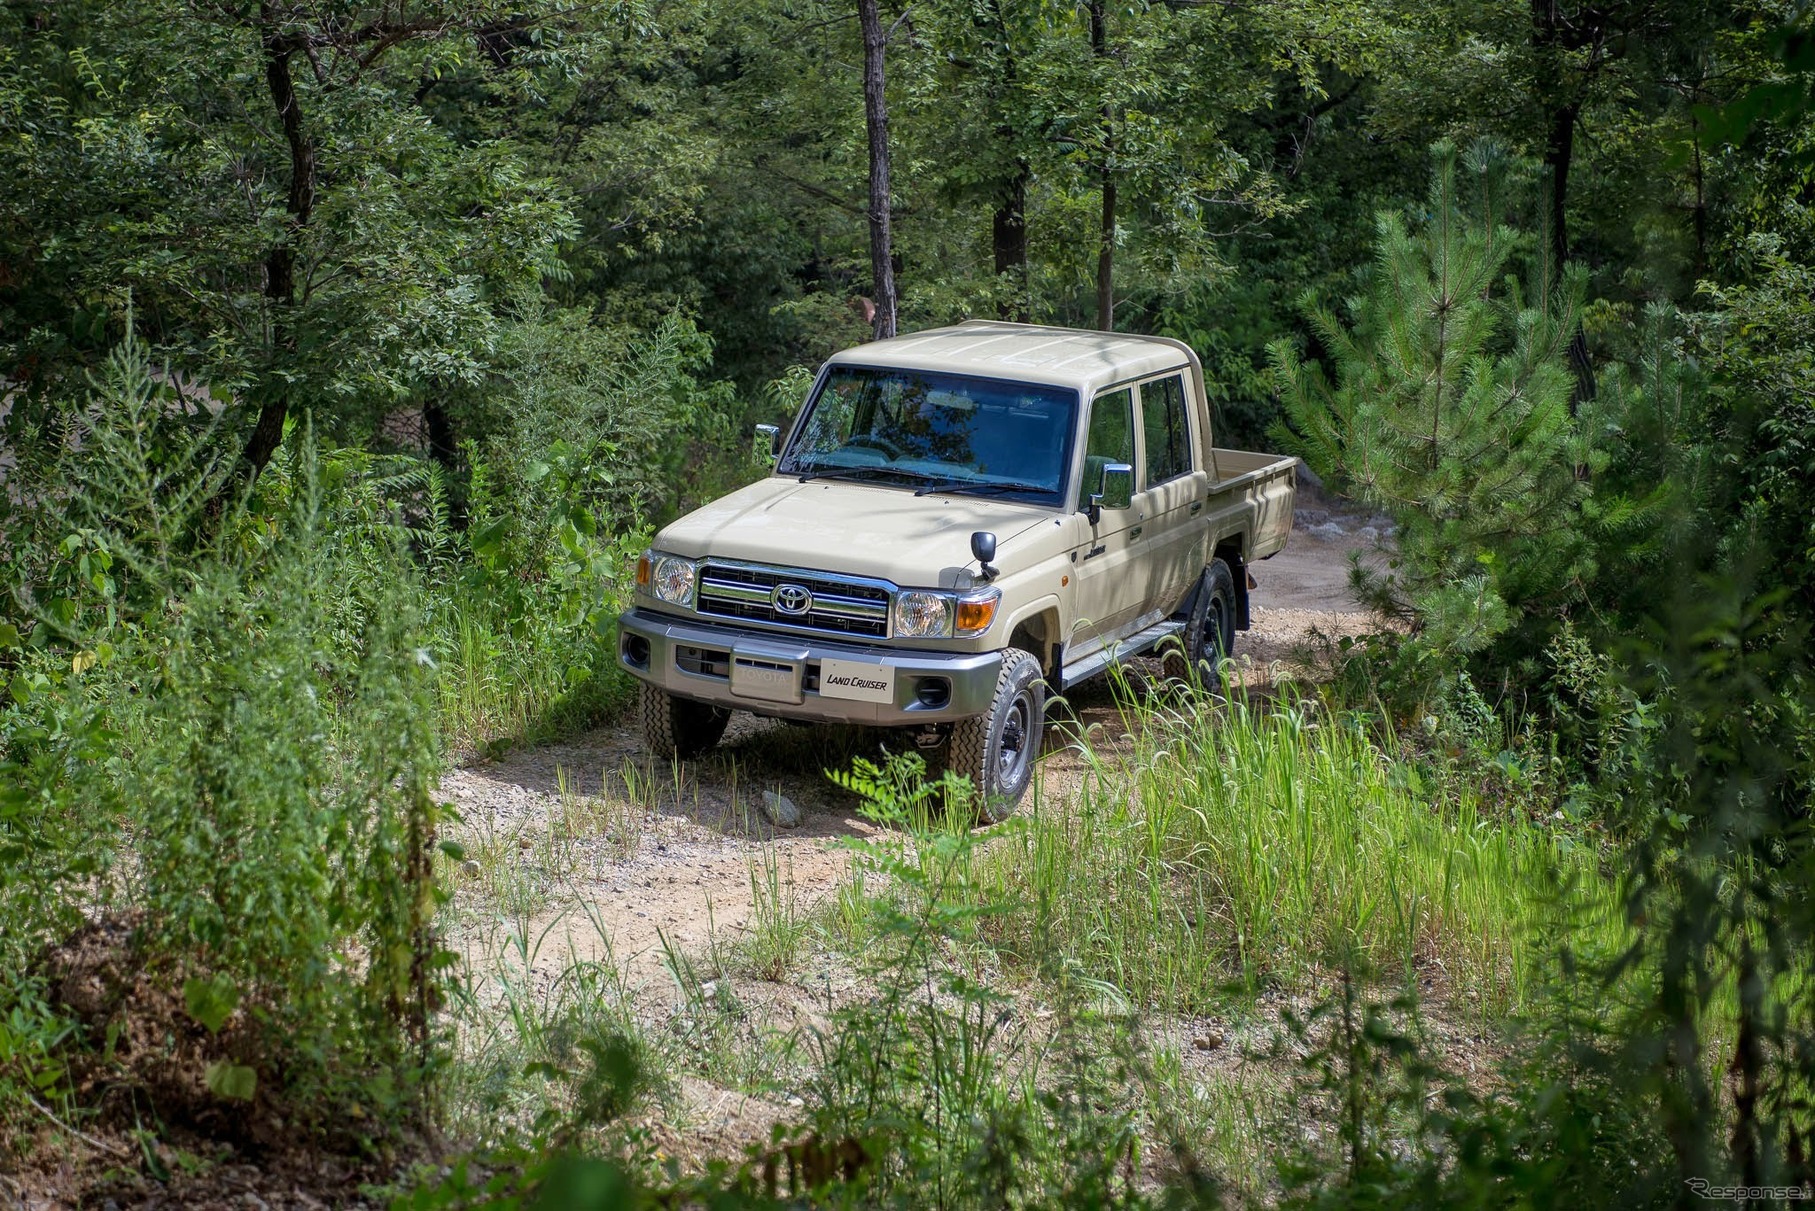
column 351, row 352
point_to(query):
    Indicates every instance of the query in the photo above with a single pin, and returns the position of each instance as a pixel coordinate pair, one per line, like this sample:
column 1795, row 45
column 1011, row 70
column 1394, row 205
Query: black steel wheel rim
column 1013, row 750
column 1210, row 646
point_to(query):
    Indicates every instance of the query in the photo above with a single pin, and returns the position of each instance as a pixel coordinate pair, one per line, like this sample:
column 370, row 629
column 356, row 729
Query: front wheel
column 996, row 750
column 1210, row 633
column 676, row 727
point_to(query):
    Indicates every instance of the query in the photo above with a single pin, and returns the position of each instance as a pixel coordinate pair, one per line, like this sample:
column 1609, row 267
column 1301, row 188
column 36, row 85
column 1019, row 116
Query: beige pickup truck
column 958, row 523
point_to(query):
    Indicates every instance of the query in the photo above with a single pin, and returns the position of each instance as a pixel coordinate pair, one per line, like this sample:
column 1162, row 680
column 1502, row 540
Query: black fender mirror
column 983, row 548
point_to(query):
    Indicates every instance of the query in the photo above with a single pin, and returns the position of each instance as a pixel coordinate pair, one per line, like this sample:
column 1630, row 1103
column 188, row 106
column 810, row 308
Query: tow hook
column 929, row 737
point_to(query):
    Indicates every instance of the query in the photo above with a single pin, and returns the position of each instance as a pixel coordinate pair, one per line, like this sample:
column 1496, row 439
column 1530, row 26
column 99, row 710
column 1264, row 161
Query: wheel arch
column 1231, row 550
column 1037, row 628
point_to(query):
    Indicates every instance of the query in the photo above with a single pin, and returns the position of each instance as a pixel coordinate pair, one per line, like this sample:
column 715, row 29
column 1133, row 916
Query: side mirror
column 767, row 447
column 983, row 548
column 1116, row 491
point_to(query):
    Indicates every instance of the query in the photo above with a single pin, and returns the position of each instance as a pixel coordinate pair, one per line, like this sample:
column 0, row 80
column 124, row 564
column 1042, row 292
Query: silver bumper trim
column 970, row 678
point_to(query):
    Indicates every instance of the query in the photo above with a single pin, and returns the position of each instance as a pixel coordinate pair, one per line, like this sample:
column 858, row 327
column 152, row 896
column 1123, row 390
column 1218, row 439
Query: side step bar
column 1121, row 649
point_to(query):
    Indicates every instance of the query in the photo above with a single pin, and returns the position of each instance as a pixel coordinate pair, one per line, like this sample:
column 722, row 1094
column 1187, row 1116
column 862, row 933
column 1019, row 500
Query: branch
column 385, row 37
column 321, row 73
column 815, row 191
column 91, row 1141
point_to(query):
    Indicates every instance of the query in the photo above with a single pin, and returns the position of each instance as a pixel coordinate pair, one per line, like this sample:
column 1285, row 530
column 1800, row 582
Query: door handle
column 1197, row 506
column 1134, row 533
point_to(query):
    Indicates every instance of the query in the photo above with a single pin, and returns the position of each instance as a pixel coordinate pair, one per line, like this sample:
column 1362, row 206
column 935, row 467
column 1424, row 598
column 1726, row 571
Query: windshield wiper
column 853, row 473
column 990, row 486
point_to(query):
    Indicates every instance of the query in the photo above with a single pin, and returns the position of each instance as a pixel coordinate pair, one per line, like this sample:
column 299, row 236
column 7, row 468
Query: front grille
column 840, row 606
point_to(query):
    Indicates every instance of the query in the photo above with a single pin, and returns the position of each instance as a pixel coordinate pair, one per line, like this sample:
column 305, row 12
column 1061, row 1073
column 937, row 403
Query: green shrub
column 223, row 745
column 280, row 798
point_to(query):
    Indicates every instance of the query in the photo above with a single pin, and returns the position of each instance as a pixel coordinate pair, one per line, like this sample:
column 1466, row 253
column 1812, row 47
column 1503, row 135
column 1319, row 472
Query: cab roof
column 1068, row 357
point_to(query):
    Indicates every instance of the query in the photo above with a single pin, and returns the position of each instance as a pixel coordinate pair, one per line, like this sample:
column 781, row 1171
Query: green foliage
column 1245, row 848
column 627, row 402
column 279, row 799
column 1758, row 345
column 1450, row 409
column 338, row 253
column 277, row 668
column 1565, row 1121
column 528, row 621
column 557, row 231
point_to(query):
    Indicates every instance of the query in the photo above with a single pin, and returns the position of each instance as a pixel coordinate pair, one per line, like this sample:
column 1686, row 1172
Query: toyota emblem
column 791, row 599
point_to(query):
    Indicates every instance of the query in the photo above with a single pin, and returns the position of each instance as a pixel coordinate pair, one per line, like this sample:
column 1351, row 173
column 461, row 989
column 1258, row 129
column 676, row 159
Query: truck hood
column 858, row 529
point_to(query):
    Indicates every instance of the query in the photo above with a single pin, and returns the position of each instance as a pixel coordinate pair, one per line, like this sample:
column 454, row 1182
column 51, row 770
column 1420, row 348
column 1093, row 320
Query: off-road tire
column 676, row 727
column 1209, row 633
column 997, row 749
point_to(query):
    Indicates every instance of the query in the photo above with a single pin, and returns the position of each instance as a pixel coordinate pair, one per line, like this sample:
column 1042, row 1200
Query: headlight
column 671, row 579
column 925, row 615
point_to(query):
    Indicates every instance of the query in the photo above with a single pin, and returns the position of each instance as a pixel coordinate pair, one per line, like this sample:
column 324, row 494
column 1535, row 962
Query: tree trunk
column 1010, row 231
column 1701, row 207
column 1009, row 228
column 280, row 261
column 1559, row 152
column 876, row 123
column 1106, row 257
column 1746, row 1071
column 1099, row 45
column 440, row 430
column 1548, row 38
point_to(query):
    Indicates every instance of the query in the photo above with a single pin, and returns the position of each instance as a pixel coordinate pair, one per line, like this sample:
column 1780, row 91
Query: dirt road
column 588, row 849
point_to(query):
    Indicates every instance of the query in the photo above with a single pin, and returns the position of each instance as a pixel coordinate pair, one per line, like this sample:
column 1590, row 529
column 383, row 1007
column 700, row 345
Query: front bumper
column 695, row 660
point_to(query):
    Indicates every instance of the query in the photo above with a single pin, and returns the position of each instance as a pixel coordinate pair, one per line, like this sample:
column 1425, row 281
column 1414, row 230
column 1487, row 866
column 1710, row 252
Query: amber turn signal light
column 974, row 616
column 643, row 565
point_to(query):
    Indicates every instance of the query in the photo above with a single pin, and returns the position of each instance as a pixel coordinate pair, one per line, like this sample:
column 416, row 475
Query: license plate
column 856, row 680
column 769, row 680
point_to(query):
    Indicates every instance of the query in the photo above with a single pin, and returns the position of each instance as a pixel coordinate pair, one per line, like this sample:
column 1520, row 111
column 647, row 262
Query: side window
column 1163, row 427
column 1110, row 439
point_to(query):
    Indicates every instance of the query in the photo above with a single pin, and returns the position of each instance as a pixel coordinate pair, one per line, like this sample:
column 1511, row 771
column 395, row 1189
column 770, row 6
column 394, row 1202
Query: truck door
column 1173, row 488
column 1109, row 593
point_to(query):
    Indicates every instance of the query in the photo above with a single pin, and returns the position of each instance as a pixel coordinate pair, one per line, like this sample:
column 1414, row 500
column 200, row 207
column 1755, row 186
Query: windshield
column 943, row 432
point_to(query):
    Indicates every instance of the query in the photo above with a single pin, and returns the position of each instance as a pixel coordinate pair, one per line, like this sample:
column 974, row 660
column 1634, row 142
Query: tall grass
column 1251, row 845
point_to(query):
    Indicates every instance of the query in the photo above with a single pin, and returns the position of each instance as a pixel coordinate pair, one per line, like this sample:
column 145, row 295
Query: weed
column 779, row 930
column 549, row 1058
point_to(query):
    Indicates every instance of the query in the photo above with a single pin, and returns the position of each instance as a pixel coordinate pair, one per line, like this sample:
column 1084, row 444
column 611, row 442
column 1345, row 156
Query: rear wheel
column 996, row 750
column 1210, row 632
column 677, row 727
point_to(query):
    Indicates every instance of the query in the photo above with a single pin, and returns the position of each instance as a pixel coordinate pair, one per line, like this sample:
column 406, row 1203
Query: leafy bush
column 281, row 798
column 627, row 402
column 526, row 618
